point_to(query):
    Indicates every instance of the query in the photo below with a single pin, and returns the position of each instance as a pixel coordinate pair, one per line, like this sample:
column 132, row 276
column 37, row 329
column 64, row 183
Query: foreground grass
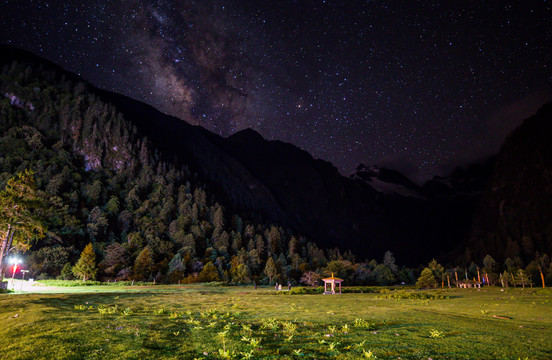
column 195, row 322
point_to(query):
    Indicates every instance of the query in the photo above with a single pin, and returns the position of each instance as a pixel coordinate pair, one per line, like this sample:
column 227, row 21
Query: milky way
column 415, row 86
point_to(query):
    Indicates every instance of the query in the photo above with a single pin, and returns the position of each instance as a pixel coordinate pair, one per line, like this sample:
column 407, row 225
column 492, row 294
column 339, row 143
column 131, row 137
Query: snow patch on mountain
column 390, row 188
column 380, row 180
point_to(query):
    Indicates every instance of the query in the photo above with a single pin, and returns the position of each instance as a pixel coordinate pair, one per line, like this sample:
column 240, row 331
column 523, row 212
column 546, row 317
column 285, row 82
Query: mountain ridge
column 280, row 182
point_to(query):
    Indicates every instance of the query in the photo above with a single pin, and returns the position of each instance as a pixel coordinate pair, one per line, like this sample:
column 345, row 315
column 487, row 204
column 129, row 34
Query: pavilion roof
column 333, row 278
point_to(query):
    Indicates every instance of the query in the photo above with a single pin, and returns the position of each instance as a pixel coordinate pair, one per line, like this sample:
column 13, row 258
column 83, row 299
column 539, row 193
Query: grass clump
column 362, row 289
column 544, row 292
column 365, row 324
column 215, row 283
column 302, row 291
column 413, row 295
column 368, row 354
column 75, row 283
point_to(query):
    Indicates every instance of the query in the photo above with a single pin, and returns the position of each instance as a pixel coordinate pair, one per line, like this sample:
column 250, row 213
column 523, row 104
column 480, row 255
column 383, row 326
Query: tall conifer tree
column 85, row 268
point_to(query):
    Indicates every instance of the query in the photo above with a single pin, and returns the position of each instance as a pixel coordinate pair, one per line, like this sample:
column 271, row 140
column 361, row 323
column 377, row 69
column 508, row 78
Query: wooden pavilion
column 332, row 281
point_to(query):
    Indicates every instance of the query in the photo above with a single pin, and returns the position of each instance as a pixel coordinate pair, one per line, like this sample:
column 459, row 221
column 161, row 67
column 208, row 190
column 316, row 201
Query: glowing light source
column 14, row 260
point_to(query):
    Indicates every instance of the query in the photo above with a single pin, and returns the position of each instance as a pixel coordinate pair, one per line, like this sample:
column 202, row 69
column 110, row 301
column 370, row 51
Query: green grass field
column 203, row 322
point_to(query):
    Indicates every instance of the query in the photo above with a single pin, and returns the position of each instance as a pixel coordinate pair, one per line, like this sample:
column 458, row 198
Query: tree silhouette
column 209, row 273
column 143, row 266
column 18, row 225
column 86, row 266
column 270, row 269
column 426, row 279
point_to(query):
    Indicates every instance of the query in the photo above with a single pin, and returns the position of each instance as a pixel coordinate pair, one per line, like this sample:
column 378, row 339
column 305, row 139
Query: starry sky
column 413, row 85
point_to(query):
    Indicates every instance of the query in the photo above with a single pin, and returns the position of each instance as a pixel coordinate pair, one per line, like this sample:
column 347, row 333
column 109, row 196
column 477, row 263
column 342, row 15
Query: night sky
column 416, row 86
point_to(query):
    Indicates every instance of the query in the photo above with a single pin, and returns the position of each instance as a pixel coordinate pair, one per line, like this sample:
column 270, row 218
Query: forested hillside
column 157, row 198
column 101, row 182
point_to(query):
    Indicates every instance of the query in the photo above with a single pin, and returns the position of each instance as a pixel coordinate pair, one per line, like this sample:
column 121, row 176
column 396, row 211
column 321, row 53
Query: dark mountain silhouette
column 514, row 218
column 283, row 183
column 374, row 210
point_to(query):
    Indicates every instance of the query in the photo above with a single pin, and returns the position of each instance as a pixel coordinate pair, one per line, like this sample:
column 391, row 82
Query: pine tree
column 239, row 271
column 236, row 241
column 292, row 246
column 86, row 266
column 437, row 269
column 143, row 265
column 389, row 261
column 17, row 221
column 254, row 260
column 189, row 244
column 489, row 264
column 260, row 246
column 97, row 224
column 251, row 245
column 274, row 239
column 115, row 258
column 426, row 280
column 384, row 275
column 270, row 269
column 176, row 268
column 249, row 231
column 209, row 273
column 218, row 217
column 66, row 272
column 176, row 264
column 522, row 278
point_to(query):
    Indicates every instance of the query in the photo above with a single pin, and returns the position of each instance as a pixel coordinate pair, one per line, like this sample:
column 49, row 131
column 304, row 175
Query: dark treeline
column 148, row 217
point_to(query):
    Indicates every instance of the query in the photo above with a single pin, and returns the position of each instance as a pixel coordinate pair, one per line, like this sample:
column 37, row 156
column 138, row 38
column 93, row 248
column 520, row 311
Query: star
column 386, row 77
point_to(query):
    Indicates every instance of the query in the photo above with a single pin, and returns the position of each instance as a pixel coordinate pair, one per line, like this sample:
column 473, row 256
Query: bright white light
column 15, row 260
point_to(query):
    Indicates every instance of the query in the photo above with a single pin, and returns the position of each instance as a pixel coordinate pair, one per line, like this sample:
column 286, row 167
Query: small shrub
column 71, row 283
column 426, row 280
column 368, row 325
column 5, row 290
column 544, row 292
column 302, row 291
column 110, row 310
column 289, row 328
column 369, row 354
column 269, row 324
column 159, row 311
column 68, row 283
column 363, row 289
column 128, row 283
column 255, row 342
column 127, row 311
column 174, row 315
column 413, row 295
column 345, row 329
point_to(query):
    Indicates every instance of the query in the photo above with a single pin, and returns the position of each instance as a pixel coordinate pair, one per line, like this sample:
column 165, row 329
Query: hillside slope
column 279, row 182
column 514, row 218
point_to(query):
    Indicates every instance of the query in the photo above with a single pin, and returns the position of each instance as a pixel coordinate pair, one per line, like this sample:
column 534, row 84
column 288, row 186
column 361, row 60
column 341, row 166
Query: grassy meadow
column 206, row 322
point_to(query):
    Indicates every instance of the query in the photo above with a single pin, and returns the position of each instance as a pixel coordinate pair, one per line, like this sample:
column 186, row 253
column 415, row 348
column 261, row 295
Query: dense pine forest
column 107, row 196
column 146, row 217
